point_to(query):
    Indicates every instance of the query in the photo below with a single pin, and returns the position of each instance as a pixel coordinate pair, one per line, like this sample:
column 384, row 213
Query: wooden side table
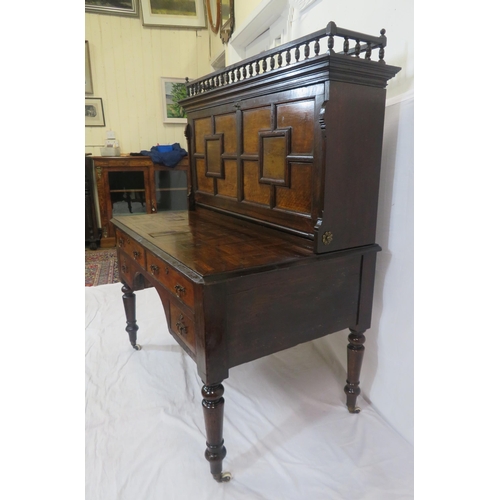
column 126, row 185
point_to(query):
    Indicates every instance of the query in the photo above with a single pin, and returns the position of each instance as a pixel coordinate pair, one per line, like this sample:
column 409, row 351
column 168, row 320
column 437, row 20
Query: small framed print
column 94, row 112
column 172, row 91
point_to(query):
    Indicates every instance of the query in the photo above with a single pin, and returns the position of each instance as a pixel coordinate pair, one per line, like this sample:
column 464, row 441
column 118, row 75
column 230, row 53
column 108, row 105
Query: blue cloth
column 169, row 159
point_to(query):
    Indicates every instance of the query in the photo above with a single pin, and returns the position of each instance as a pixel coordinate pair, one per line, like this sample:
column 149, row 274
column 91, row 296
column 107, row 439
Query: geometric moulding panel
column 214, row 147
column 229, row 185
column 205, row 184
column 254, row 120
column 253, row 190
column 298, row 115
column 202, row 127
column 297, row 197
column 226, row 124
column 274, row 146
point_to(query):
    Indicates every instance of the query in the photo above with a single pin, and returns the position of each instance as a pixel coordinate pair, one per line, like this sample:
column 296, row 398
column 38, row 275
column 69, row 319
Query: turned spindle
column 129, row 305
column 213, row 411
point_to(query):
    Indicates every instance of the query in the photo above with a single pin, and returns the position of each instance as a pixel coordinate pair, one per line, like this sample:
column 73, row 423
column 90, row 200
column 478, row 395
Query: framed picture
column 227, row 20
column 88, row 73
column 180, row 13
column 94, row 112
column 114, row 7
column 172, row 91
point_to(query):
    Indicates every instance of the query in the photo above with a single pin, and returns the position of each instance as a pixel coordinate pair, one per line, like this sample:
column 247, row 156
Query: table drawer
column 131, row 248
column 127, row 268
column 182, row 326
column 174, row 281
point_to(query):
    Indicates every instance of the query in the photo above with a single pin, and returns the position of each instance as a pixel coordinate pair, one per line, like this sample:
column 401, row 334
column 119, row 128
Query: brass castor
column 137, row 347
column 223, row 477
column 354, row 409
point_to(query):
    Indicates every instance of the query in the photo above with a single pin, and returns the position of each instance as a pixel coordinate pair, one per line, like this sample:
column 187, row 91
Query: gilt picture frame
column 173, row 13
column 173, row 90
column 88, row 73
column 128, row 8
column 227, row 20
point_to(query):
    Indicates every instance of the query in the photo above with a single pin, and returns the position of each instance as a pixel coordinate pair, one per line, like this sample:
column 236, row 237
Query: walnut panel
column 298, row 196
column 202, row 127
column 255, row 120
column 228, row 186
column 205, row 184
column 252, row 190
column 273, row 152
column 300, row 116
column 226, row 124
column 214, row 146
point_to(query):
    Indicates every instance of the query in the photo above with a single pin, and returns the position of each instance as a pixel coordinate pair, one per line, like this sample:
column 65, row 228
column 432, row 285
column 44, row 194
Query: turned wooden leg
column 213, row 411
column 355, row 351
column 129, row 304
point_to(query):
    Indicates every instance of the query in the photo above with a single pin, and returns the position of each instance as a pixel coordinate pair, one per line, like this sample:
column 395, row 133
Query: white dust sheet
column 287, row 431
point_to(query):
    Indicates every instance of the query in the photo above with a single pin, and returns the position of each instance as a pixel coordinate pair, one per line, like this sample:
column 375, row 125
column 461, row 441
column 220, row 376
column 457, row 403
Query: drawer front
column 131, row 248
column 127, row 268
column 182, row 326
column 158, row 269
column 174, row 281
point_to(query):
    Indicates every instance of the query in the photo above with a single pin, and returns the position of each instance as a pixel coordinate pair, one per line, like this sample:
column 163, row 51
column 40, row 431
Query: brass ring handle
column 179, row 290
column 181, row 327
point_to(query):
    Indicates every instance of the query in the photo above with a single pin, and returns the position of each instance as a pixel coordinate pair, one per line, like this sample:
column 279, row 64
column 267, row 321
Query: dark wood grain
column 278, row 245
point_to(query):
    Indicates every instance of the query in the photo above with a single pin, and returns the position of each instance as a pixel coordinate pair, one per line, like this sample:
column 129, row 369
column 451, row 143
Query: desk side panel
column 269, row 312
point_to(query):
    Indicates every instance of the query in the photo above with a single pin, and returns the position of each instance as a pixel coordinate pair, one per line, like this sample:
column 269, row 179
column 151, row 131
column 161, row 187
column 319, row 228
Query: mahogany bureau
column 278, row 245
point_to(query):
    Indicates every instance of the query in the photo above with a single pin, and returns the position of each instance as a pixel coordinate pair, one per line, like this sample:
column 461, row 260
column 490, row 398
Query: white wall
column 387, row 375
column 127, row 62
column 368, row 16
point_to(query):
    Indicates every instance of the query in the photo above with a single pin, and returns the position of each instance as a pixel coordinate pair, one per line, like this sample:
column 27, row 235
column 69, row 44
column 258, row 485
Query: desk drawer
column 131, row 248
column 127, row 268
column 175, row 282
column 182, row 326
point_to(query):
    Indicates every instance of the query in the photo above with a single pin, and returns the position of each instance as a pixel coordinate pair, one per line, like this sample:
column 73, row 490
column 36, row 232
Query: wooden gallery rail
column 278, row 245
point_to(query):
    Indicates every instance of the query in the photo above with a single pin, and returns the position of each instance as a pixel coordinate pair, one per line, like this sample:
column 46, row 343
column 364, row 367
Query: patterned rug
column 101, row 267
